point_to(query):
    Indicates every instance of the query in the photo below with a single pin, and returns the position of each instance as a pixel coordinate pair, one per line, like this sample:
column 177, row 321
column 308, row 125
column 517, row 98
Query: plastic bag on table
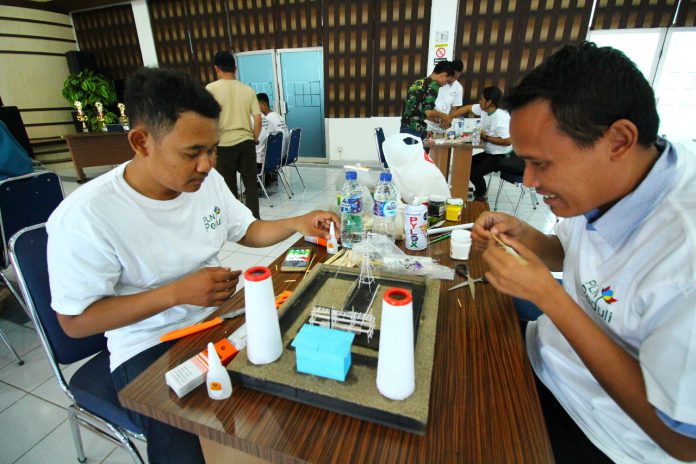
column 386, row 256
column 413, row 172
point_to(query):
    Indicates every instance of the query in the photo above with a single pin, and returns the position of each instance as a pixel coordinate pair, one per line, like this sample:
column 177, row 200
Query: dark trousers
column 240, row 158
column 485, row 163
column 569, row 443
column 165, row 444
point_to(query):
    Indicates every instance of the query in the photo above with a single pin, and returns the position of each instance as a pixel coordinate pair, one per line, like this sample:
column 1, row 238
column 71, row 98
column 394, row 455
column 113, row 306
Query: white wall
column 443, row 20
column 145, row 37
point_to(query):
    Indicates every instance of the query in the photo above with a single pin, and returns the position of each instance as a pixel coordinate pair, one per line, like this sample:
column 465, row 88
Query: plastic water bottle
column 384, row 208
column 351, row 210
column 476, row 134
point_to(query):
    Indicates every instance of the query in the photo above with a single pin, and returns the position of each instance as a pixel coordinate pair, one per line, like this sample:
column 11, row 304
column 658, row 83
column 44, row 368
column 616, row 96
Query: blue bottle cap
column 351, row 175
column 385, row 177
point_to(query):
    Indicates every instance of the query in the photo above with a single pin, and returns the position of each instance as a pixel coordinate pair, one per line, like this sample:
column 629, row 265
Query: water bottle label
column 384, row 208
column 351, row 205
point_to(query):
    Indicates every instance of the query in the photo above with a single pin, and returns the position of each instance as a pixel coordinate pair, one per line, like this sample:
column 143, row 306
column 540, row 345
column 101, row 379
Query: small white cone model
column 264, row 344
column 395, row 365
column 331, row 243
column 217, row 379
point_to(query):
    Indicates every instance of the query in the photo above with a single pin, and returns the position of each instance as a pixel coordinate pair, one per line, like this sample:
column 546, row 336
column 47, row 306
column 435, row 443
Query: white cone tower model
column 264, row 344
column 395, row 365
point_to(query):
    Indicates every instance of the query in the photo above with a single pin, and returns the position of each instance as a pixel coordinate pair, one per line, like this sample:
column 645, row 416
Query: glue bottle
column 331, row 243
column 217, row 380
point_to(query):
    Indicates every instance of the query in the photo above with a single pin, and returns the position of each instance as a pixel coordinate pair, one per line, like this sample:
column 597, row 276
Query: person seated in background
column 135, row 252
column 419, row 103
column 450, row 96
column 495, row 134
column 615, row 350
column 270, row 122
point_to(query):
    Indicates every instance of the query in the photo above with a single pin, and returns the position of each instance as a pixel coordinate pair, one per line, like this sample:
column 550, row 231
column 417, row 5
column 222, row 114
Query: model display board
column 334, row 287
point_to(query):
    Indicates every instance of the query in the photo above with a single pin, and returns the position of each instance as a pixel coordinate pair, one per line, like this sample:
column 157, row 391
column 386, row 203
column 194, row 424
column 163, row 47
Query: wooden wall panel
column 111, row 35
column 630, row 14
column 348, row 58
column 298, row 22
column 499, row 41
column 686, row 16
column 252, row 25
column 209, row 33
column 401, row 32
column 169, row 24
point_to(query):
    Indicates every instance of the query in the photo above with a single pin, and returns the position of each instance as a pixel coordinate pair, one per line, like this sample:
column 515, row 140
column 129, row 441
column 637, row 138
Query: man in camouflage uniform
column 419, row 104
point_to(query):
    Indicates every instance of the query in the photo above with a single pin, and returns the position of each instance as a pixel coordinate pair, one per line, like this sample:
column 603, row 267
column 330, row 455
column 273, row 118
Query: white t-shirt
column 106, row 239
column 641, row 290
column 495, row 125
column 271, row 122
column 448, row 96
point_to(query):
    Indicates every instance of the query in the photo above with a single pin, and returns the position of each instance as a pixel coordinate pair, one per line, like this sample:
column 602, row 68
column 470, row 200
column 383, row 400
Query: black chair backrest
column 28, row 253
column 379, row 136
column 294, row 145
column 25, row 201
column 274, row 152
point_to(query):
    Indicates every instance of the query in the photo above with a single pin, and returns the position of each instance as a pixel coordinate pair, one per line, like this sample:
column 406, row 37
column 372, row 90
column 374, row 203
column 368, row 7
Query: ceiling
column 61, row 6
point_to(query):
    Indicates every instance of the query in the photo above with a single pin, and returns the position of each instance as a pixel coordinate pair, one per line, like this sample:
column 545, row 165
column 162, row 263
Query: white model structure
column 350, row 321
column 366, row 277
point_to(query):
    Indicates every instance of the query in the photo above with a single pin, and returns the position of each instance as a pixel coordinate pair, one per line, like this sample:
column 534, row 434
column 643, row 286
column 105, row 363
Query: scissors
column 463, row 270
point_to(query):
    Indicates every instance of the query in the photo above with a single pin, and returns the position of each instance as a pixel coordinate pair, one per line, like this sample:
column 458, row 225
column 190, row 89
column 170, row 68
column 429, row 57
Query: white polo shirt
column 633, row 271
column 495, row 125
column 106, row 239
column 448, row 96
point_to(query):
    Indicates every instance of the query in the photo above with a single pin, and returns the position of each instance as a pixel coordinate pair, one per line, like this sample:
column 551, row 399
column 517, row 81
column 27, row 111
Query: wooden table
column 89, row 149
column 453, row 158
column 483, row 404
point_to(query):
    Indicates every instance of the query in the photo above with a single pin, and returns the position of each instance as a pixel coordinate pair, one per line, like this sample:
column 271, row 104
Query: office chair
column 90, row 389
column 294, row 152
column 379, row 140
column 24, row 201
column 272, row 163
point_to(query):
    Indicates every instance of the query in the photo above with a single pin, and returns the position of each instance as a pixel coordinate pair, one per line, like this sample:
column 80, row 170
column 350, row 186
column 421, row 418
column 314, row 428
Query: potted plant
column 89, row 88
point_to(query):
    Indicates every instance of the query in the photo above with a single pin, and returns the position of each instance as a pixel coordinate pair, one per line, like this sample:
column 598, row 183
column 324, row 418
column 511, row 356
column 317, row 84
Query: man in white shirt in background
column 270, row 122
column 450, row 96
column 615, row 350
column 135, row 252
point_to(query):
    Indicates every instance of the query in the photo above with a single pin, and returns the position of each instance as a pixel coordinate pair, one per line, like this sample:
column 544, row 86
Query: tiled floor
column 33, row 418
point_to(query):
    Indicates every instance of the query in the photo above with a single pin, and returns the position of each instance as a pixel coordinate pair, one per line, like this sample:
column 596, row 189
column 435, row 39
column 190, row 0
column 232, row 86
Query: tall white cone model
column 217, row 379
column 395, row 365
column 264, row 344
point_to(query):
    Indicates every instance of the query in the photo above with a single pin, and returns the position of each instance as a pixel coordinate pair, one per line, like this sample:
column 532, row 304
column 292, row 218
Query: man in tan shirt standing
column 237, row 148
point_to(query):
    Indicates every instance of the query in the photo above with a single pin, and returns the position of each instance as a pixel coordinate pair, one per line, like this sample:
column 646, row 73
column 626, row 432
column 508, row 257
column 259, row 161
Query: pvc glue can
column 416, row 227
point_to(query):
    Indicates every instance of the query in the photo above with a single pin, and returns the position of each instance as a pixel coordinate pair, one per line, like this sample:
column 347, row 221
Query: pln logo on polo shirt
column 211, row 221
column 599, row 299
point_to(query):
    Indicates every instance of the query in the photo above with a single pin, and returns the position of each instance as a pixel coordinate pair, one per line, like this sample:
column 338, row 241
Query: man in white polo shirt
column 615, row 350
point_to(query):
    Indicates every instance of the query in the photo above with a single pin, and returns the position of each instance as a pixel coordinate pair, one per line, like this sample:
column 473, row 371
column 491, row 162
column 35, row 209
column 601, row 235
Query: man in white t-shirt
column 135, row 252
column 495, row 133
column 450, row 96
column 615, row 350
column 270, row 122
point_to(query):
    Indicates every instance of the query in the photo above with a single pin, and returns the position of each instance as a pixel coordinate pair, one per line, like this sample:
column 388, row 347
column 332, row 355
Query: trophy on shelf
column 100, row 115
column 123, row 119
column 82, row 117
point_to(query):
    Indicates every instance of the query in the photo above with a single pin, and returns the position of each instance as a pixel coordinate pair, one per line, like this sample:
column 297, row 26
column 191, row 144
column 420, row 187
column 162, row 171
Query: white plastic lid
column 455, row 201
column 437, row 198
column 460, row 235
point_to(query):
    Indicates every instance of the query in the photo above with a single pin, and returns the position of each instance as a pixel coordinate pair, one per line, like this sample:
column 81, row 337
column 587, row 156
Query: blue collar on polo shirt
column 619, row 222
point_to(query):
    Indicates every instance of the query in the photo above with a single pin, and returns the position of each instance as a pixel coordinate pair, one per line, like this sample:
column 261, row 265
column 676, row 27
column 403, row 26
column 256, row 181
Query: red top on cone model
column 257, row 274
column 398, row 296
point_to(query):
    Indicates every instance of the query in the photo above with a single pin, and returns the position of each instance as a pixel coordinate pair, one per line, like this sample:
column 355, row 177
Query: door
column 257, row 70
column 301, row 80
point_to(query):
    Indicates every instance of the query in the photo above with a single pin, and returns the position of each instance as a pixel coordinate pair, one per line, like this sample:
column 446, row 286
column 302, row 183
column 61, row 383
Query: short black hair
column 263, row 98
column 493, row 94
column 457, row 65
column 225, row 61
column 156, row 97
column 589, row 88
column 443, row 66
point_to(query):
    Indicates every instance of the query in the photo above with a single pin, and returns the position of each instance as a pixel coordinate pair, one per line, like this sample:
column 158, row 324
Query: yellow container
column 454, row 209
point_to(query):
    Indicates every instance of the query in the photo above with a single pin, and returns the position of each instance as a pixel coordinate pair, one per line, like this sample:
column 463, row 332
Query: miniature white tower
column 366, row 276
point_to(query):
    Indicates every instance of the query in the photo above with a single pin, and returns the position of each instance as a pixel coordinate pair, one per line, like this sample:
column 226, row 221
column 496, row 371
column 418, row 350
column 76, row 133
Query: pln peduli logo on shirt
column 599, row 299
column 213, row 220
